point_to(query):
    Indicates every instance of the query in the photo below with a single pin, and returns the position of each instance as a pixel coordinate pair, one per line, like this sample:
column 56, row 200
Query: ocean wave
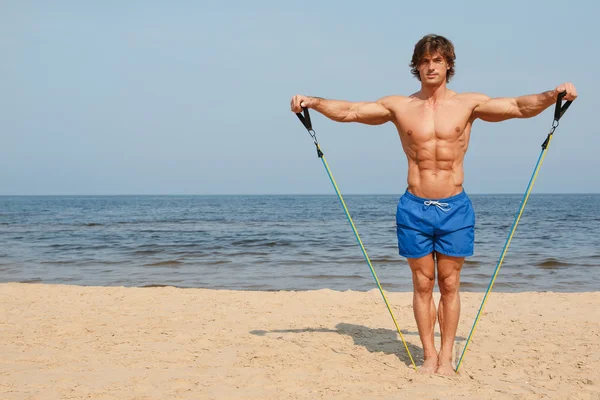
column 60, row 262
column 387, row 260
column 169, row 263
column 156, row 285
column 145, row 252
column 470, row 285
column 290, row 263
column 552, row 263
column 31, row 280
column 327, row 276
column 260, row 243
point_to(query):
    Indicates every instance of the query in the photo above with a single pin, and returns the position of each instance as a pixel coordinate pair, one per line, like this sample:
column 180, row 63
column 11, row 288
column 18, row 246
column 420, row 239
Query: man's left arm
column 503, row 108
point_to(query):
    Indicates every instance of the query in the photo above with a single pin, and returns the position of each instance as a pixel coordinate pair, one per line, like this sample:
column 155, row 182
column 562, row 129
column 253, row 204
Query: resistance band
column 305, row 119
column 558, row 113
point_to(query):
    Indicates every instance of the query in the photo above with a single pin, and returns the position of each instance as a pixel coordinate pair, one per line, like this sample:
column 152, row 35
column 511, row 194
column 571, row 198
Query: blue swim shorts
column 444, row 225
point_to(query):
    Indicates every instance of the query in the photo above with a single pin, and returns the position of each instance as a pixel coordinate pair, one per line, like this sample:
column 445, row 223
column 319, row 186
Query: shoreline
column 120, row 342
column 469, row 290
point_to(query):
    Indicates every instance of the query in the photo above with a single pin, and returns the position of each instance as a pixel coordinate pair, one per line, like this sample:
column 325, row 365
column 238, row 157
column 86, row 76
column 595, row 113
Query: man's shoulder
column 473, row 97
column 393, row 101
column 393, row 98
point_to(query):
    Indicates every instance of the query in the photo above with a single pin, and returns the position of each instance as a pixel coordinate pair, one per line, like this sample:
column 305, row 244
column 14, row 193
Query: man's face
column 433, row 69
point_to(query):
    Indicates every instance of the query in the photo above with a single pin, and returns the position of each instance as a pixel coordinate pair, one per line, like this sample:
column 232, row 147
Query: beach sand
column 71, row 342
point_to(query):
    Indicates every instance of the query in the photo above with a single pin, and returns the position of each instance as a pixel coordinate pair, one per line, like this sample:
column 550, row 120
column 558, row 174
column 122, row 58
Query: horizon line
column 273, row 194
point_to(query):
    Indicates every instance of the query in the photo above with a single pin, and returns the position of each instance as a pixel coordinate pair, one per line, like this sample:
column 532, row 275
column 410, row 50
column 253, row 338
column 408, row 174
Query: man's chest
column 443, row 122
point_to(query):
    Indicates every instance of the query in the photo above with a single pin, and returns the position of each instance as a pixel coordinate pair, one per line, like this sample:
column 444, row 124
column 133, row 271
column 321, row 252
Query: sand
column 71, row 342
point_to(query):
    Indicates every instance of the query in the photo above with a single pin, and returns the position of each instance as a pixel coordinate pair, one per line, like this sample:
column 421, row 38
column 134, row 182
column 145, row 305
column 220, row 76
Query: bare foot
column 429, row 365
column 445, row 367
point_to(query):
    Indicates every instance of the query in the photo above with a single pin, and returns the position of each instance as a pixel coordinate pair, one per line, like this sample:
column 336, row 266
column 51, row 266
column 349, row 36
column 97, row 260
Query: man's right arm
column 371, row 113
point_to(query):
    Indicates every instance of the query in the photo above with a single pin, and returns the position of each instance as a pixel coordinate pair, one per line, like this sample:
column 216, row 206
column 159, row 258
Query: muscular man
column 435, row 218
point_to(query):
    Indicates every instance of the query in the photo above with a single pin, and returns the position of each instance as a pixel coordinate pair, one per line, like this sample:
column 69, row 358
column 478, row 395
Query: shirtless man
column 435, row 218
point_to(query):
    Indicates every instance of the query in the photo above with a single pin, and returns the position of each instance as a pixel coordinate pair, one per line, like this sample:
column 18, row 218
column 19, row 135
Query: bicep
column 371, row 113
column 497, row 109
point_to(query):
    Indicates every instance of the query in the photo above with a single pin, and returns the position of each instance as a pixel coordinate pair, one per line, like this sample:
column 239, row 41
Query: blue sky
column 193, row 97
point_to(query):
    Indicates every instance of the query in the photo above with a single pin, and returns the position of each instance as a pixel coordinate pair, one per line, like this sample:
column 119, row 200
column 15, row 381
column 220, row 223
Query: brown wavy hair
column 430, row 44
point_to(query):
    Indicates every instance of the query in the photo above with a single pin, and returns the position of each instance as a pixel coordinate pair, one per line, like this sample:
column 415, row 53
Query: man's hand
column 569, row 88
column 300, row 101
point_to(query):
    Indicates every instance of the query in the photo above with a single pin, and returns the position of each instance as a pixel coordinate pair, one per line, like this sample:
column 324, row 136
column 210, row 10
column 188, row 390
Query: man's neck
column 433, row 94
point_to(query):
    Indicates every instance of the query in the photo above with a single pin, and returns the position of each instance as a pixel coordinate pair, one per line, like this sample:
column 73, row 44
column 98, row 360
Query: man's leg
column 449, row 308
column 423, row 276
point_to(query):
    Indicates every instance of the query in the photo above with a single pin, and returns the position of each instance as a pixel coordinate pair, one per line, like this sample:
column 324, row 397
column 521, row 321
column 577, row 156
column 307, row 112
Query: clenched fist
column 300, row 101
column 566, row 87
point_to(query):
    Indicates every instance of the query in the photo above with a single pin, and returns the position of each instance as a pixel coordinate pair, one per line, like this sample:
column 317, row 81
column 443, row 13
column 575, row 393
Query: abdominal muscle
column 434, row 183
column 435, row 174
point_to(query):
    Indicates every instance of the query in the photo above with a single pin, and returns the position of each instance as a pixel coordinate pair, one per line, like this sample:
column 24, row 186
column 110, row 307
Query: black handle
column 305, row 119
column 559, row 111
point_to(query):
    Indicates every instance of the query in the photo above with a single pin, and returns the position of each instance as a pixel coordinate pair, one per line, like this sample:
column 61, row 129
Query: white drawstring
column 442, row 206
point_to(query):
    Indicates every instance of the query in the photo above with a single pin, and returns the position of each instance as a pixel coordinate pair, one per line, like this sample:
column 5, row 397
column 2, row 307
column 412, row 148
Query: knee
column 449, row 285
column 423, row 284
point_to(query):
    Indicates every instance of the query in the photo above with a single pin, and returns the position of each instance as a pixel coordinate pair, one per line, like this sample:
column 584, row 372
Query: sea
column 285, row 242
